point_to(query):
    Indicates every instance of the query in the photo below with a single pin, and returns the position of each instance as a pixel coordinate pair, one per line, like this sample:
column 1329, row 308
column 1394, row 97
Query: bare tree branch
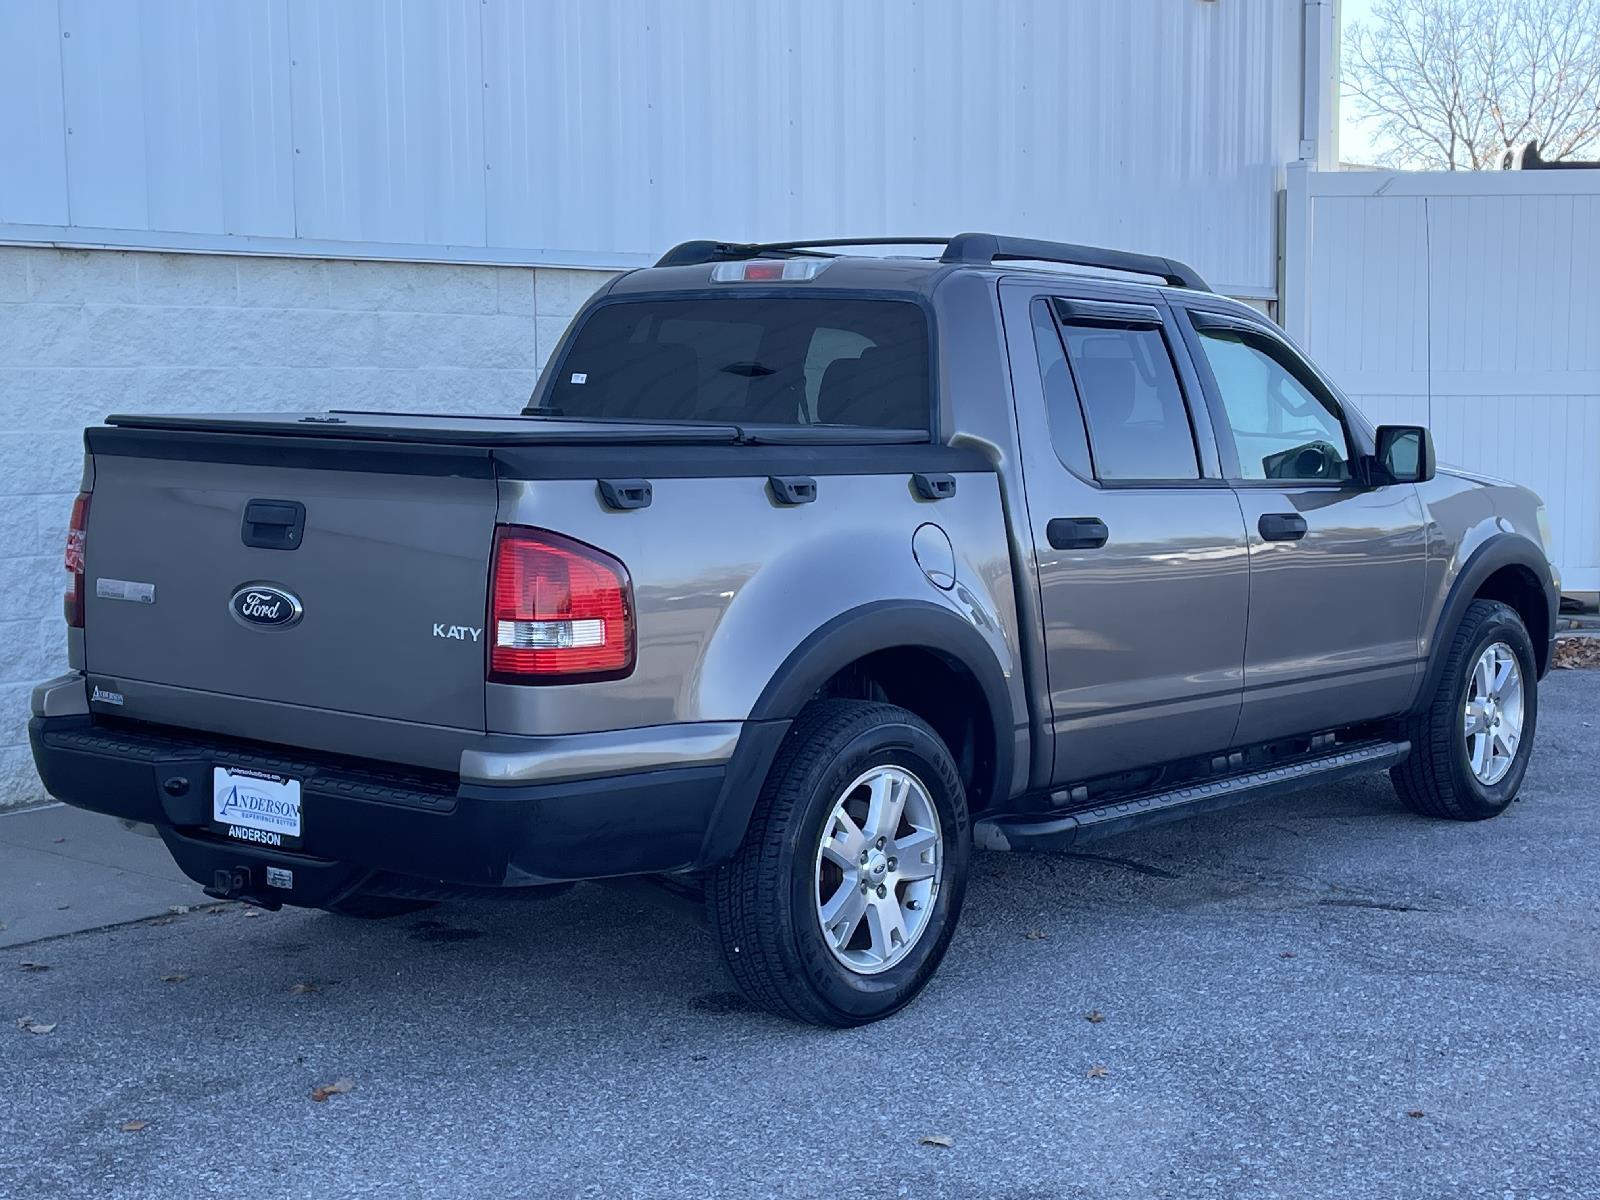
column 1454, row 84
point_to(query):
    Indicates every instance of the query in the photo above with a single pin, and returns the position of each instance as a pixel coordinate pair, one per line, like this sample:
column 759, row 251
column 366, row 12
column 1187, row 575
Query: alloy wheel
column 877, row 869
column 1494, row 713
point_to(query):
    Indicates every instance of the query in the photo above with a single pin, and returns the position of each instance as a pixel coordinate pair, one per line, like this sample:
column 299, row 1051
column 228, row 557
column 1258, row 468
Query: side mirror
column 1404, row 454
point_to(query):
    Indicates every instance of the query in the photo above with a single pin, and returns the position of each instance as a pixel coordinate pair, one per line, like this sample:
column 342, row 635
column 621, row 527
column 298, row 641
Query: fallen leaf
column 1036, row 935
column 337, row 1088
column 1288, row 954
column 943, row 1140
column 29, row 1025
column 33, row 966
column 58, row 841
column 252, row 912
column 1577, row 651
column 1095, row 1017
column 177, row 910
column 301, row 989
column 173, row 978
column 1415, row 1112
column 133, row 1126
column 1096, row 1072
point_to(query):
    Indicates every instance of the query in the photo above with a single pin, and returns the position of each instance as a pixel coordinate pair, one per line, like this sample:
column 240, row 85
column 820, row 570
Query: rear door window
column 1138, row 421
column 1061, row 407
column 809, row 360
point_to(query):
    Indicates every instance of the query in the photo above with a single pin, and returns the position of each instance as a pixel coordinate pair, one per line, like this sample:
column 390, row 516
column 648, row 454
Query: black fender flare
column 882, row 625
column 1498, row 551
column 889, row 625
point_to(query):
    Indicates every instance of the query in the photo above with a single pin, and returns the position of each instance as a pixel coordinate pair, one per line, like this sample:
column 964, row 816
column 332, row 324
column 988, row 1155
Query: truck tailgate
column 390, row 573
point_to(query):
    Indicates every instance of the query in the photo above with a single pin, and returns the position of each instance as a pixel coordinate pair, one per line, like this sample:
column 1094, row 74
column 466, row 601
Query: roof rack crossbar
column 973, row 249
column 989, row 248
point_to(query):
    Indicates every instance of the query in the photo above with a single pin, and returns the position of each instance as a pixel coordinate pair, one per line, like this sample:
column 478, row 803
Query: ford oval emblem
column 265, row 606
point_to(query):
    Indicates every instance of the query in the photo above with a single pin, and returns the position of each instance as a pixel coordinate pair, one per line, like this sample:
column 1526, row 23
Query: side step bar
column 1048, row 832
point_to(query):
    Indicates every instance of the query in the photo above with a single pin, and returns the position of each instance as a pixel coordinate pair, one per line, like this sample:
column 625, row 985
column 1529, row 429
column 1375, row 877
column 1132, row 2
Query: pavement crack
column 1126, row 864
column 1360, row 902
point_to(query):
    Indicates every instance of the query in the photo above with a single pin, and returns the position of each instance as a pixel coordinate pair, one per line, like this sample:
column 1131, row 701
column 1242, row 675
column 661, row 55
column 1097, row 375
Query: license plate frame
column 257, row 808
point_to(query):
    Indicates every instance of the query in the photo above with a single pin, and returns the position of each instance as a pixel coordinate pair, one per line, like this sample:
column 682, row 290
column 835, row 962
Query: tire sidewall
column 859, row 998
column 1502, row 626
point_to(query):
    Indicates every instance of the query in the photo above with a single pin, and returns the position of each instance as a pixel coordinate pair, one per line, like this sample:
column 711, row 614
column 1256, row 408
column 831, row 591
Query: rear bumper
column 361, row 818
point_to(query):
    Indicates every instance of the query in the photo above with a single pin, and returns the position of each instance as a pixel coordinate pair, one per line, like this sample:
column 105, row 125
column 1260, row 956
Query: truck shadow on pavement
column 624, row 944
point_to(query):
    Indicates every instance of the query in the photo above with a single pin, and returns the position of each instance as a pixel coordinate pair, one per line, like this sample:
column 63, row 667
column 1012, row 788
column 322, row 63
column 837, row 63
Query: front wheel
column 845, row 892
column 1470, row 746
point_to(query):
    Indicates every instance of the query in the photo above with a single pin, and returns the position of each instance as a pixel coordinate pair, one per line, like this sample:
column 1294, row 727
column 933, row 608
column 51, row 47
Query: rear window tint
column 780, row 361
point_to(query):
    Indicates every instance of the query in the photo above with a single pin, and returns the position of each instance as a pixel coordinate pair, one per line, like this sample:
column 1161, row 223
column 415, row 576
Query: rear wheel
column 843, row 897
column 1470, row 747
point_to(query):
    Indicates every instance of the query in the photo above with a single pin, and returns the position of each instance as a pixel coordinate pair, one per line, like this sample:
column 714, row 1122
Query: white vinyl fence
column 1466, row 301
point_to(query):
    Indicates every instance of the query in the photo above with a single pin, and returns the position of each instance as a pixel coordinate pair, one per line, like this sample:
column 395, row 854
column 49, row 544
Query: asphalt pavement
column 1316, row 997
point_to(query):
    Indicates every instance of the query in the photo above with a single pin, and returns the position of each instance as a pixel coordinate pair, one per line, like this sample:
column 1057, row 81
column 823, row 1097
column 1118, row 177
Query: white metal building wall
column 1466, row 302
column 597, row 132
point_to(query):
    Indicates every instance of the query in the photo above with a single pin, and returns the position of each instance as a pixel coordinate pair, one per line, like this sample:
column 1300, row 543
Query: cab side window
column 1138, row 422
column 1060, row 399
column 1282, row 429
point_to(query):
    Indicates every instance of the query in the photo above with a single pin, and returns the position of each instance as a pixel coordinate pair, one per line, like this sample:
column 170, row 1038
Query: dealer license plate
column 256, row 806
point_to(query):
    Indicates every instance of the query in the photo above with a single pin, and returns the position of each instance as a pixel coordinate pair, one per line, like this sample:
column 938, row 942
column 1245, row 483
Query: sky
column 1355, row 139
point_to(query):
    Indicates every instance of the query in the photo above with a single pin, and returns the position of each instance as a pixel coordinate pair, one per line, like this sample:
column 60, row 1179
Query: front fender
column 1491, row 551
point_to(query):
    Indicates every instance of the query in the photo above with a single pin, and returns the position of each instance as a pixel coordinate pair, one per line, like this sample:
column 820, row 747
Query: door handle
column 273, row 524
column 1282, row 527
column 1077, row 533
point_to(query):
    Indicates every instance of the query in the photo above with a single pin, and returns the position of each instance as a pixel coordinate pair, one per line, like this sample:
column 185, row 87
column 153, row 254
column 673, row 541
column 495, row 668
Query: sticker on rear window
column 580, row 377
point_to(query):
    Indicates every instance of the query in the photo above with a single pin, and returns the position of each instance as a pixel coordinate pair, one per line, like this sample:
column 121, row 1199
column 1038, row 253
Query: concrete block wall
column 84, row 333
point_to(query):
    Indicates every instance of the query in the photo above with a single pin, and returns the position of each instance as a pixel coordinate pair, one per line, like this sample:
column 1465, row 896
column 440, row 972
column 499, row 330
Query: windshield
column 806, row 360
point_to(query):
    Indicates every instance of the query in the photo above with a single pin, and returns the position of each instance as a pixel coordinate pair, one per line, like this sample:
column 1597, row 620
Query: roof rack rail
column 984, row 248
column 973, row 249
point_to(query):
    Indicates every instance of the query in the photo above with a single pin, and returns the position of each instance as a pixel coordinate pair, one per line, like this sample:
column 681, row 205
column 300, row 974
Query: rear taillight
column 559, row 611
column 77, row 539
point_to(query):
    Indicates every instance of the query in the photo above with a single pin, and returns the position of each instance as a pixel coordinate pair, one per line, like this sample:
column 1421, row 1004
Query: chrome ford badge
column 266, row 606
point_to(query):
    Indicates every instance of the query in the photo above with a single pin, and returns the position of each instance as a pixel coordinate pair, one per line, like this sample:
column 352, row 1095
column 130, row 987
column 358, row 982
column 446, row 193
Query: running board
column 1048, row 832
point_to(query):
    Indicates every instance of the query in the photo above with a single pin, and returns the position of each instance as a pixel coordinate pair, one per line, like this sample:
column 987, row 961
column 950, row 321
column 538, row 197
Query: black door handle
column 1282, row 527
column 273, row 524
column 1077, row 533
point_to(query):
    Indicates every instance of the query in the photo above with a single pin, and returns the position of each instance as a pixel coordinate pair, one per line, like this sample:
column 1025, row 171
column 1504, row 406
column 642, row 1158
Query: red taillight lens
column 559, row 610
column 77, row 539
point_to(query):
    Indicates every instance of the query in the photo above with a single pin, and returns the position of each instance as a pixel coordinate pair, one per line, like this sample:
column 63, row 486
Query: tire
column 1438, row 778
column 376, row 908
column 765, row 905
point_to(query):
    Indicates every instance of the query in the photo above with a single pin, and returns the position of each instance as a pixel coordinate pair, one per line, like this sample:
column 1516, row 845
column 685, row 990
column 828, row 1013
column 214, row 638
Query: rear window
column 781, row 361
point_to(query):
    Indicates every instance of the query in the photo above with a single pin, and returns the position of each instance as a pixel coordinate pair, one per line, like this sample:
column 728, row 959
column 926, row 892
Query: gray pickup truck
column 802, row 573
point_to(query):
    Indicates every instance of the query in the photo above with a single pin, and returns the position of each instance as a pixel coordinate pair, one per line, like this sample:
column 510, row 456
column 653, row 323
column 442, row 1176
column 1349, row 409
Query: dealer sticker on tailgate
column 255, row 806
